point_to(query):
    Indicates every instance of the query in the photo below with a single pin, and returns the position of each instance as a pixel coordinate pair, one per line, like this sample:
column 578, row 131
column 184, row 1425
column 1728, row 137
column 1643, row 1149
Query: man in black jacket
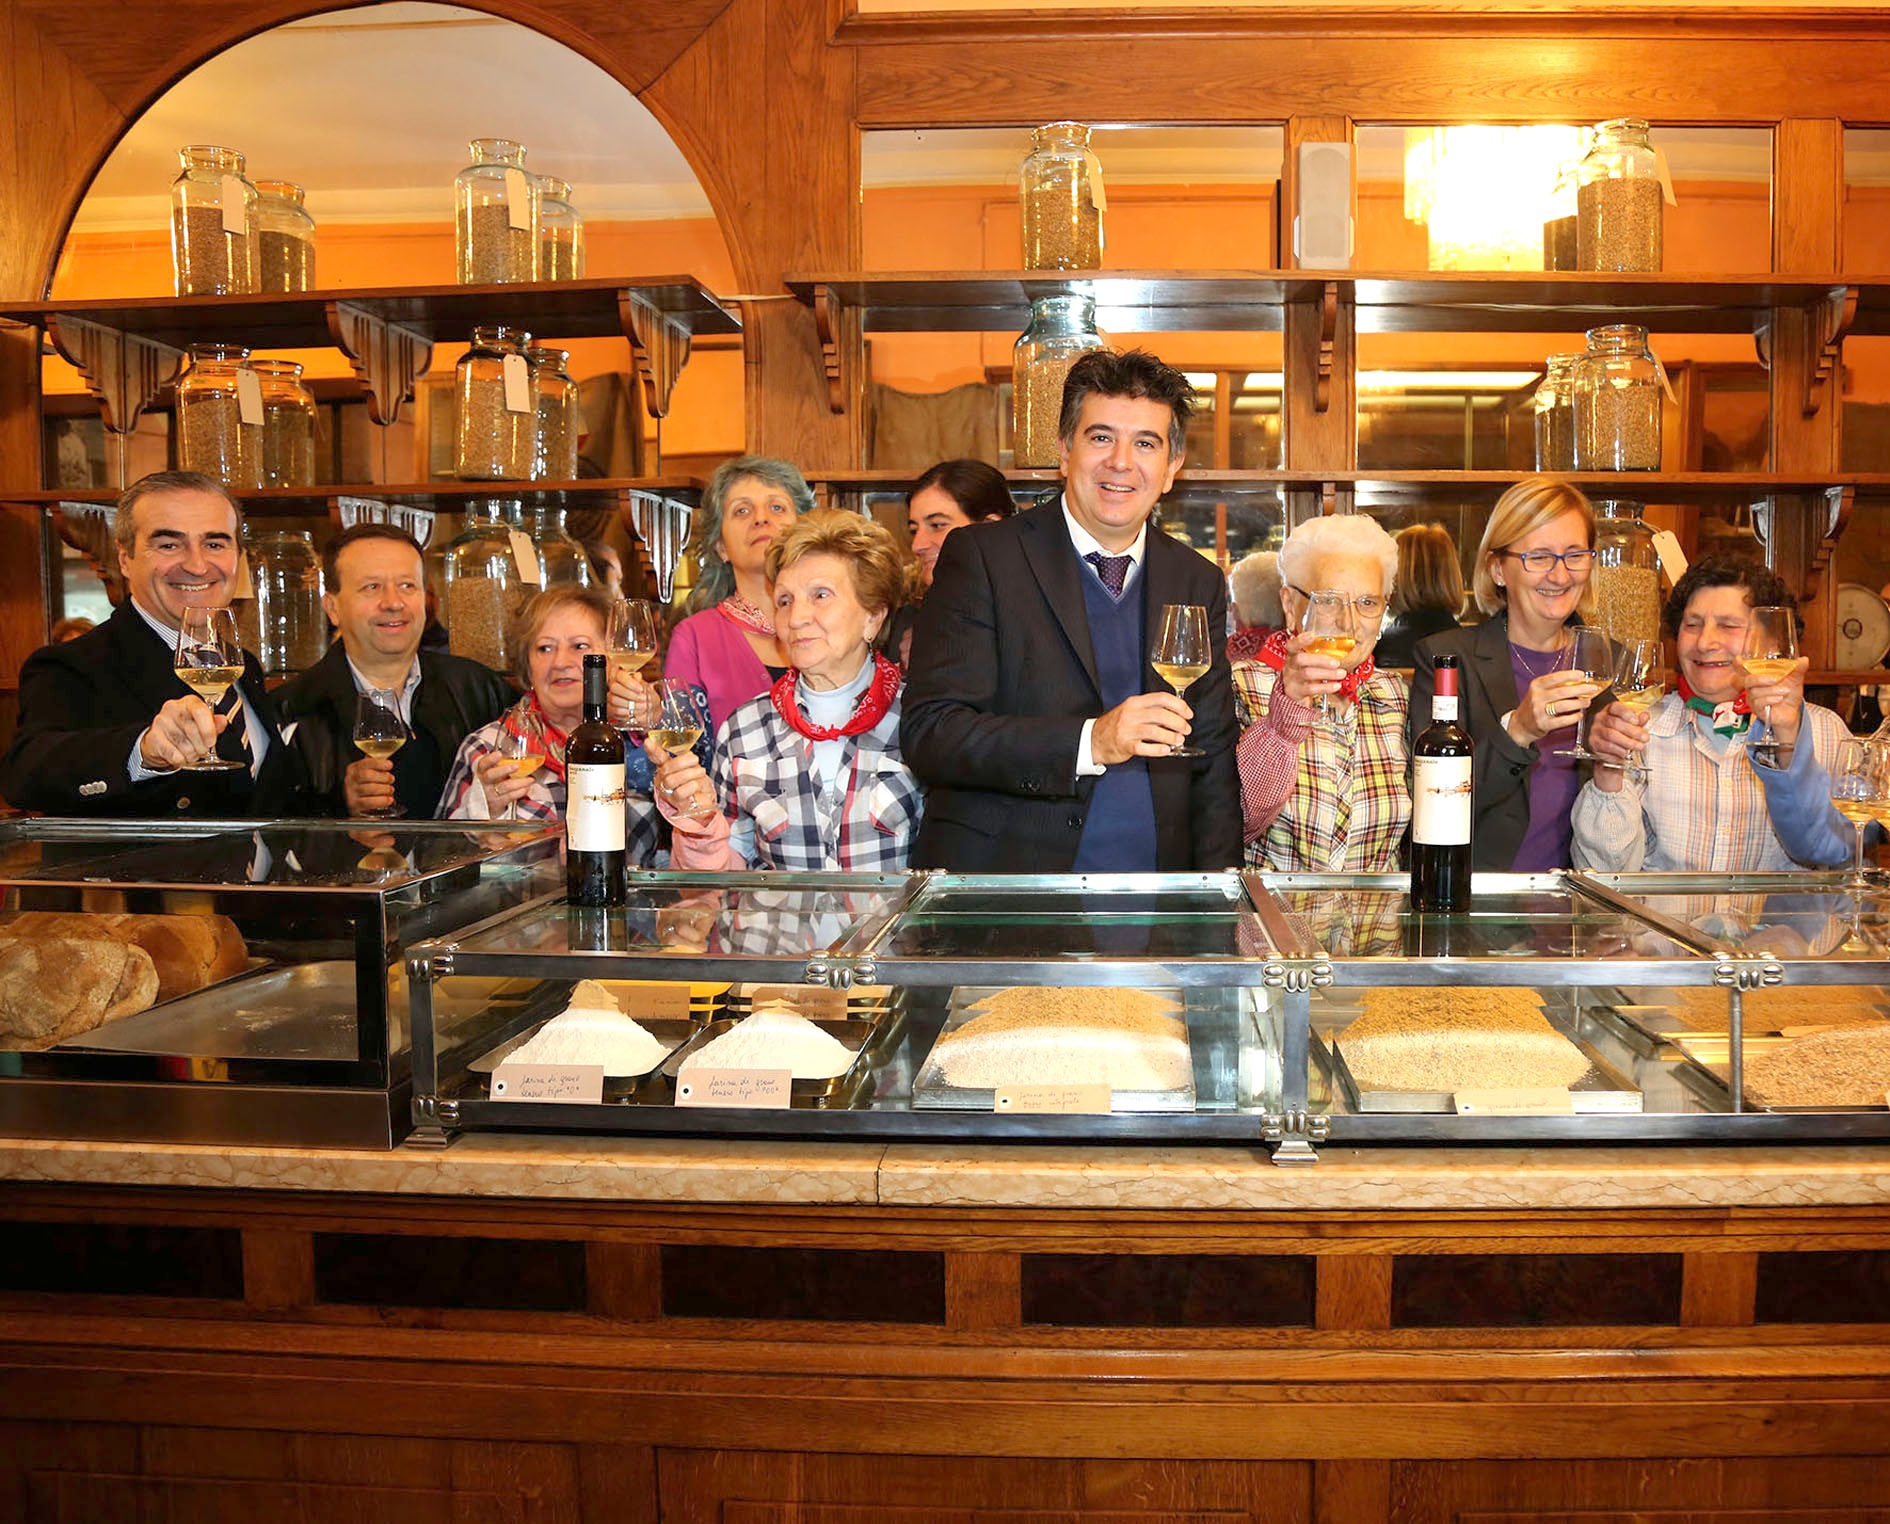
column 106, row 725
column 375, row 596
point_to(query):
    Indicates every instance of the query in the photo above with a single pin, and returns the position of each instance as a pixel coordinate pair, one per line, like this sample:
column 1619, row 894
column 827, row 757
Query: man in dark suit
column 1031, row 711
column 375, row 578
column 106, row 726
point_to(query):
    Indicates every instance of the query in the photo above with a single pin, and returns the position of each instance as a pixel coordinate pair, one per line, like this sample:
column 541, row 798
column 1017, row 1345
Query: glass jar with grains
column 1618, row 200
column 496, row 215
column 288, row 429
column 484, row 588
column 285, row 238
column 1062, row 330
column 494, row 418
column 1561, row 243
column 1626, row 577
column 560, row 232
column 1061, row 193
column 556, row 421
column 1555, row 415
column 220, row 416
column 561, row 558
column 283, row 623
column 1617, row 402
column 213, row 218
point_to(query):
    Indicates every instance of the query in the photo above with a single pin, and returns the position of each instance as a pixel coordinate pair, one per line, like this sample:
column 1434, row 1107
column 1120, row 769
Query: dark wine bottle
column 1442, row 803
column 594, row 806
column 1867, row 716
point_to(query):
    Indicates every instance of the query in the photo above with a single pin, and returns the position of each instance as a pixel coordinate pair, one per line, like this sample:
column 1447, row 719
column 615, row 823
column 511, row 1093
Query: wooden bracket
column 661, row 526
column 1328, row 339
column 389, row 359
column 660, row 344
column 1836, row 315
column 829, row 322
column 123, row 371
column 1328, row 498
column 1839, row 503
column 87, row 528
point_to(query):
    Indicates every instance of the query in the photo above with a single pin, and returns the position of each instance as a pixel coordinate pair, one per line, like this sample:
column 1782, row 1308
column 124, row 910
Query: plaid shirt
column 763, row 769
column 1337, row 805
column 1711, row 811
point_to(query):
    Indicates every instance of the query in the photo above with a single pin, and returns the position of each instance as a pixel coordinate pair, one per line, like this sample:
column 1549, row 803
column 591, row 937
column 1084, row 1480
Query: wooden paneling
column 1717, row 1290
column 1837, row 1490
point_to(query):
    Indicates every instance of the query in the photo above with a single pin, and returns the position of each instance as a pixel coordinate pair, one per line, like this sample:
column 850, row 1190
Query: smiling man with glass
column 106, row 725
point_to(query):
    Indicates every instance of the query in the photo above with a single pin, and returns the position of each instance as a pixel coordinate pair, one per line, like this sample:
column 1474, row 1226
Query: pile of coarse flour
column 1058, row 1035
column 776, row 1039
column 593, row 1029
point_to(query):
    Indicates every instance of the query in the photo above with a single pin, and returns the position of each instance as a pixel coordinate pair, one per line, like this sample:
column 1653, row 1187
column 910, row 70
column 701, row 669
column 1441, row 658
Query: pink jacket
column 709, row 650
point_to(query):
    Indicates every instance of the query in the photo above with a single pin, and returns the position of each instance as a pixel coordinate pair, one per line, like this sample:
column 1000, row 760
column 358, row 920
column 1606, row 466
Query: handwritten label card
column 747, row 1089
column 1546, row 1102
column 651, row 1001
column 580, row 1084
column 817, row 1002
column 1068, row 1100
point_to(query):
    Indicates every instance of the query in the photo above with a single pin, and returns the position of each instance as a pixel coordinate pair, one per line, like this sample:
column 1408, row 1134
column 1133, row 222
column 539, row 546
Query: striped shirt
column 1322, row 802
column 1710, row 809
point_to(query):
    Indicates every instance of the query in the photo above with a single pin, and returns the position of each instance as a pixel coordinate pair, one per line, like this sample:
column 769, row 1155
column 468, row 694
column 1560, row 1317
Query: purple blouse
column 709, row 650
column 1556, row 778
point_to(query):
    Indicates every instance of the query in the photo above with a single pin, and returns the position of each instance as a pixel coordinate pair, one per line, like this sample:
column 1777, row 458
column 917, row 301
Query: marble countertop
column 914, row 1175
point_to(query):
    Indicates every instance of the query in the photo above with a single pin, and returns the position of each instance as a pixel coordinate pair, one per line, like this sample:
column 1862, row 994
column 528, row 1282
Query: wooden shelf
column 436, row 497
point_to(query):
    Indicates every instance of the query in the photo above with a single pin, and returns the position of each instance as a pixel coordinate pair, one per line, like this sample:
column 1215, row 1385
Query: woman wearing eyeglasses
column 1328, row 797
column 1521, row 697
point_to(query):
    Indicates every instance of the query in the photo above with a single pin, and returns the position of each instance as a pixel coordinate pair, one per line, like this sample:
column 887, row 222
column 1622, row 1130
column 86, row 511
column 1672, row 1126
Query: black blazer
column 83, row 705
column 1003, row 676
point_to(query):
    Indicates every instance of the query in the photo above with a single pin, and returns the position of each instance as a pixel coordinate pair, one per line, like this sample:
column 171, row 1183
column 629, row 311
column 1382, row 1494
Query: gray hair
column 1345, row 534
column 125, row 526
column 715, row 579
column 1255, row 584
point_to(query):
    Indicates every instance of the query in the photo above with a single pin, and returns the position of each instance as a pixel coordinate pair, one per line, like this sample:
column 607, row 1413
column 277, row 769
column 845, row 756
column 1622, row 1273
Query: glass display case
column 1284, row 1009
column 212, row 981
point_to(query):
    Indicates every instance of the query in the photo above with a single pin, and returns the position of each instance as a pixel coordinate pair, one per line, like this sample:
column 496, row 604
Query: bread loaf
column 55, row 988
column 188, row 951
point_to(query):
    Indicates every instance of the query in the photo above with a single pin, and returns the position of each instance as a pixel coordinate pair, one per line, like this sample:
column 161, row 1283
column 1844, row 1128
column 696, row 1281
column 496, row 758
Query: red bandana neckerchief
column 1273, row 654
column 526, row 718
column 1245, row 643
column 745, row 616
column 867, row 713
column 1728, row 719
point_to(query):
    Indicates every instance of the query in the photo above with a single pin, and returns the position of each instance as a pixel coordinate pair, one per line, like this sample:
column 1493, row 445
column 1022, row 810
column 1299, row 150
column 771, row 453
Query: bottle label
column 1444, row 706
column 1441, row 793
column 594, row 807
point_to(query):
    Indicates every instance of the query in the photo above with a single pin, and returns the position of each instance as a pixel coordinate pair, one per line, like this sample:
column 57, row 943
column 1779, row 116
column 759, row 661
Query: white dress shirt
column 1086, row 543
column 362, row 685
column 253, row 725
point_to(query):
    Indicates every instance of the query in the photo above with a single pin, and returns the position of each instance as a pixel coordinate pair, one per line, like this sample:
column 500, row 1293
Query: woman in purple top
column 727, row 645
column 1520, row 696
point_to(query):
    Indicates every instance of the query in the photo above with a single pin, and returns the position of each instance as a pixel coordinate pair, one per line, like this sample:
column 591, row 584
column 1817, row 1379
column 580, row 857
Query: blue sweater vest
column 1119, row 829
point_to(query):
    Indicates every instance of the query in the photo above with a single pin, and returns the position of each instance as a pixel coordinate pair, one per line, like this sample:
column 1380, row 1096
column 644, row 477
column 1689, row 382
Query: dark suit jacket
column 82, row 706
column 1003, row 676
column 455, row 698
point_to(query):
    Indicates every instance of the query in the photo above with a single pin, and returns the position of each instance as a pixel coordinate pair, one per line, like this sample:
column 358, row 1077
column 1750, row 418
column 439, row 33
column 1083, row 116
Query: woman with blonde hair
column 809, row 775
column 1429, row 596
column 1520, row 698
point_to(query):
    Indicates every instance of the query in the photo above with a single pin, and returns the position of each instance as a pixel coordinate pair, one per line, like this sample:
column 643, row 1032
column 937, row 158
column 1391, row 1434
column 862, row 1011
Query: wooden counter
column 542, row 1329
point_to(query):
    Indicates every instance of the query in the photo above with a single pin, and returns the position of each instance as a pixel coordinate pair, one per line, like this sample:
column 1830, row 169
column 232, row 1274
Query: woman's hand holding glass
column 1775, row 678
column 1554, row 701
column 1618, row 735
column 1330, row 628
column 682, row 717
column 681, row 782
column 1310, row 675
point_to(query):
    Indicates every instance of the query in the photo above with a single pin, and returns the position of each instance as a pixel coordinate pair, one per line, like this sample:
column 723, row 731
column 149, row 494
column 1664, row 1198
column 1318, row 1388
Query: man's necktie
column 1114, row 570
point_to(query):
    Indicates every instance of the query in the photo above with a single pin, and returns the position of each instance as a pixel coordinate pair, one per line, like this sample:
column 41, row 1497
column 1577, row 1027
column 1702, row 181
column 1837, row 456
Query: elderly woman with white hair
column 1331, row 797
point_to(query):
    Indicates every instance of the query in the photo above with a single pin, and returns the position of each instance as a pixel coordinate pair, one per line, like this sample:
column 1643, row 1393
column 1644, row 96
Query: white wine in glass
column 679, row 725
column 1640, row 682
column 208, row 660
column 379, row 731
column 1182, row 655
column 1332, row 621
column 525, row 750
column 1771, row 650
column 1593, row 657
column 631, row 640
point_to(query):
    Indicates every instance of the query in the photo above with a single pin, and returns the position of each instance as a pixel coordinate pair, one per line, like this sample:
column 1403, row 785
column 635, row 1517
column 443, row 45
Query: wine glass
column 208, row 659
column 1771, row 649
column 1182, row 654
column 680, row 723
column 1857, row 790
column 524, row 748
column 1332, row 622
column 1640, row 680
column 1591, row 654
column 630, row 641
column 379, row 730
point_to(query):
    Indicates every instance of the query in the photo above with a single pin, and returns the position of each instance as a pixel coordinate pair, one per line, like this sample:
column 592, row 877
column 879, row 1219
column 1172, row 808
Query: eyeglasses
column 1539, row 561
column 1367, row 605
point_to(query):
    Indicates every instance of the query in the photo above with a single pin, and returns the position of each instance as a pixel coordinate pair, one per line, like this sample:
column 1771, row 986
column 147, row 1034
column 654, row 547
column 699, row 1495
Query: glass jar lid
column 498, row 336
column 497, row 151
column 205, row 156
column 1060, row 135
column 280, row 190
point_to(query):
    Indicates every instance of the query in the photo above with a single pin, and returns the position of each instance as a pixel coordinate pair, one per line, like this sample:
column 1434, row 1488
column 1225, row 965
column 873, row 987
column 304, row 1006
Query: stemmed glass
column 208, row 659
column 1592, row 655
column 679, row 725
column 1857, row 792
column 1640, row 680
column 1182, row 655
column 630, row 641
column 1332, row 621
column 1771, row 648
column 525, row 750
column 379, row 730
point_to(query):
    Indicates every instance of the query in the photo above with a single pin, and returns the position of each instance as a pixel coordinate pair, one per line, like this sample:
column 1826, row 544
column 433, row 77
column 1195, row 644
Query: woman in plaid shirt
column 808, row 776
column 1325, row 798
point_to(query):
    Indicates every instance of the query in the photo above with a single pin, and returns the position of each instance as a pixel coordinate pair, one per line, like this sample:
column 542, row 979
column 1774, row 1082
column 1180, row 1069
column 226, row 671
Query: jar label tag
column 249, row 408
column 1666, row 177
column 242, row 585
column 518, row 384
column 231, row 199
column 1096, row 192
column 518, row 199
column 525, row 555
column 1673, row 560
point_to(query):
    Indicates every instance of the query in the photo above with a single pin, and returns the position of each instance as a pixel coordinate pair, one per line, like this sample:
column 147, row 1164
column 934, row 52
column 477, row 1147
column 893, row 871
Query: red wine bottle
column 1443, row 803
column 594, row 806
